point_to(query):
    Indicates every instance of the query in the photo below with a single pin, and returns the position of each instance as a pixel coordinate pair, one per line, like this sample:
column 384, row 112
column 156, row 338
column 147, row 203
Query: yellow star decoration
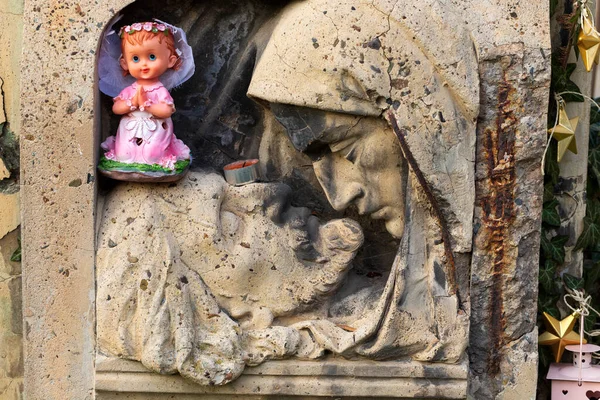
column 559, row 334
column 588, row 43
column 564, row 133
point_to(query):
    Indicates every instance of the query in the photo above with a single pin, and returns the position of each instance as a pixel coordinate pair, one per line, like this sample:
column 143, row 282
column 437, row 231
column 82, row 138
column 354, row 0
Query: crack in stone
column 7, row 387
column 10, row 278
column 337, row 35
column 3, row 109
column 11, row 13
column 389, row 59
column 517, row 339
column 285, row 62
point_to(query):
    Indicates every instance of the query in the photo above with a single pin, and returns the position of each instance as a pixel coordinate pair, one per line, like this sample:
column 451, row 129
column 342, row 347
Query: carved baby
column 197, row 271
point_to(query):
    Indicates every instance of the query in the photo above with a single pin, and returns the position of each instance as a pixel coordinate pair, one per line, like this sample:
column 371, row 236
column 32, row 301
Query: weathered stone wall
column 11, row 342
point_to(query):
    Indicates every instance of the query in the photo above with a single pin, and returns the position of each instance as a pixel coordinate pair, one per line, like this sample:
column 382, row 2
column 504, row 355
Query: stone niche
column 386, row 251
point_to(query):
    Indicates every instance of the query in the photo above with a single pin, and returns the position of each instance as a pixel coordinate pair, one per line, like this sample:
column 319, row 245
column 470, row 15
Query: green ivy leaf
column 591, row 275
column 594, row 162
column 547, row 275
column 553, row 5
column 573, row 282
column 594, row 113
column 554, row 248
column 550, row 213
column 590, row 321
column 561, row 81
column 590, row 235
column 16, row 255
column 575, row 34
column 574, row 18
column 552, row 310
column 548, row 192
column 551, row 168
column 592, row 210
column 545, row 356
column 548, row 304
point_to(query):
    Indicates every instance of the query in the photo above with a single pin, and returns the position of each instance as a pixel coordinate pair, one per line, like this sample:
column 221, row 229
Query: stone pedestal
column 279, row 379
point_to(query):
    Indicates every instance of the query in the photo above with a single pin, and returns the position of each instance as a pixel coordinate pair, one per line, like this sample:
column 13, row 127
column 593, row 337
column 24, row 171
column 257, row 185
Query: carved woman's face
column 356, row 159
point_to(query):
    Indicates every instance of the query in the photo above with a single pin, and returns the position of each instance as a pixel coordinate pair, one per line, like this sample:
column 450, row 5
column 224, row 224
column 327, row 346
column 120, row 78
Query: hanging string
column 583, row 309
column 586, row 12
column 584, row 306
column 561, row 102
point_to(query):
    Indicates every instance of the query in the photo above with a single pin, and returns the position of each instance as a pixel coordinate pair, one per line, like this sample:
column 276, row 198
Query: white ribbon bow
column 142, row 127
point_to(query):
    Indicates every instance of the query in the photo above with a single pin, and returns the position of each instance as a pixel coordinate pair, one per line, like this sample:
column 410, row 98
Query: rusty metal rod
column 450, row 265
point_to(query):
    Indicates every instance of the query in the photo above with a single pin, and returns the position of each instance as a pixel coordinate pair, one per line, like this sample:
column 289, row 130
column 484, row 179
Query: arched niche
column 214, row 116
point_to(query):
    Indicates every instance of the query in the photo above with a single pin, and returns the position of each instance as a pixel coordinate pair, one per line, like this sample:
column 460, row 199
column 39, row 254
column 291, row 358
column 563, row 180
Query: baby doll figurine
column 145, row 147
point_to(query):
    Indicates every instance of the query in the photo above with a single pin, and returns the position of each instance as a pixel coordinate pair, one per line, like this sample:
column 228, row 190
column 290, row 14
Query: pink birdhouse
column 577, row 381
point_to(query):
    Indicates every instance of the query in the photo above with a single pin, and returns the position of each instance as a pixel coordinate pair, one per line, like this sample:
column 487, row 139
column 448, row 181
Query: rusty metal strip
column 450, row 265
column 498, row 212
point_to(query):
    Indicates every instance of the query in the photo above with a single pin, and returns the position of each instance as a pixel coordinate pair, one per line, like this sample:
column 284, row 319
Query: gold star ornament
column 588, row 43
column 564, row 132
column 559, row 334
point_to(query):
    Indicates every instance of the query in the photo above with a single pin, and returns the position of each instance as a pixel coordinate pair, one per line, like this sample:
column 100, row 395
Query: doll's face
column 148, row 60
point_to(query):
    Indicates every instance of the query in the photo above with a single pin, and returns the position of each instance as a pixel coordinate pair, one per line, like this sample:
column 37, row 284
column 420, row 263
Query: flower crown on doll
column 153, row 27
column 111, row 80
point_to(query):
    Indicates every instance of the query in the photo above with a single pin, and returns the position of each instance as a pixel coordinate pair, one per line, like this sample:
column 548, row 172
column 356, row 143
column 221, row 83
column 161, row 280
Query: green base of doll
column 110, row 165
column 135, row 172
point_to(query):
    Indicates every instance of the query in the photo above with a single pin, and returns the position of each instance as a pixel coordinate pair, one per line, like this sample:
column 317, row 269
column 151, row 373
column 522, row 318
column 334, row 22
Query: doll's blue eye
column 152, row 57
column 136, row 59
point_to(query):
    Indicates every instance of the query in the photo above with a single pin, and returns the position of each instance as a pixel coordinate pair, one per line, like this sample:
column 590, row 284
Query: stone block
column 277, row 379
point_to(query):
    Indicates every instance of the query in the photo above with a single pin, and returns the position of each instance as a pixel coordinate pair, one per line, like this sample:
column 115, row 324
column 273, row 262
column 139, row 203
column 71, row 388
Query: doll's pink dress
column 142, row 138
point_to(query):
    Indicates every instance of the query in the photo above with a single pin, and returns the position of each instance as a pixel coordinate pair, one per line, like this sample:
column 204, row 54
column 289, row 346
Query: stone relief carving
column 203, row 278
